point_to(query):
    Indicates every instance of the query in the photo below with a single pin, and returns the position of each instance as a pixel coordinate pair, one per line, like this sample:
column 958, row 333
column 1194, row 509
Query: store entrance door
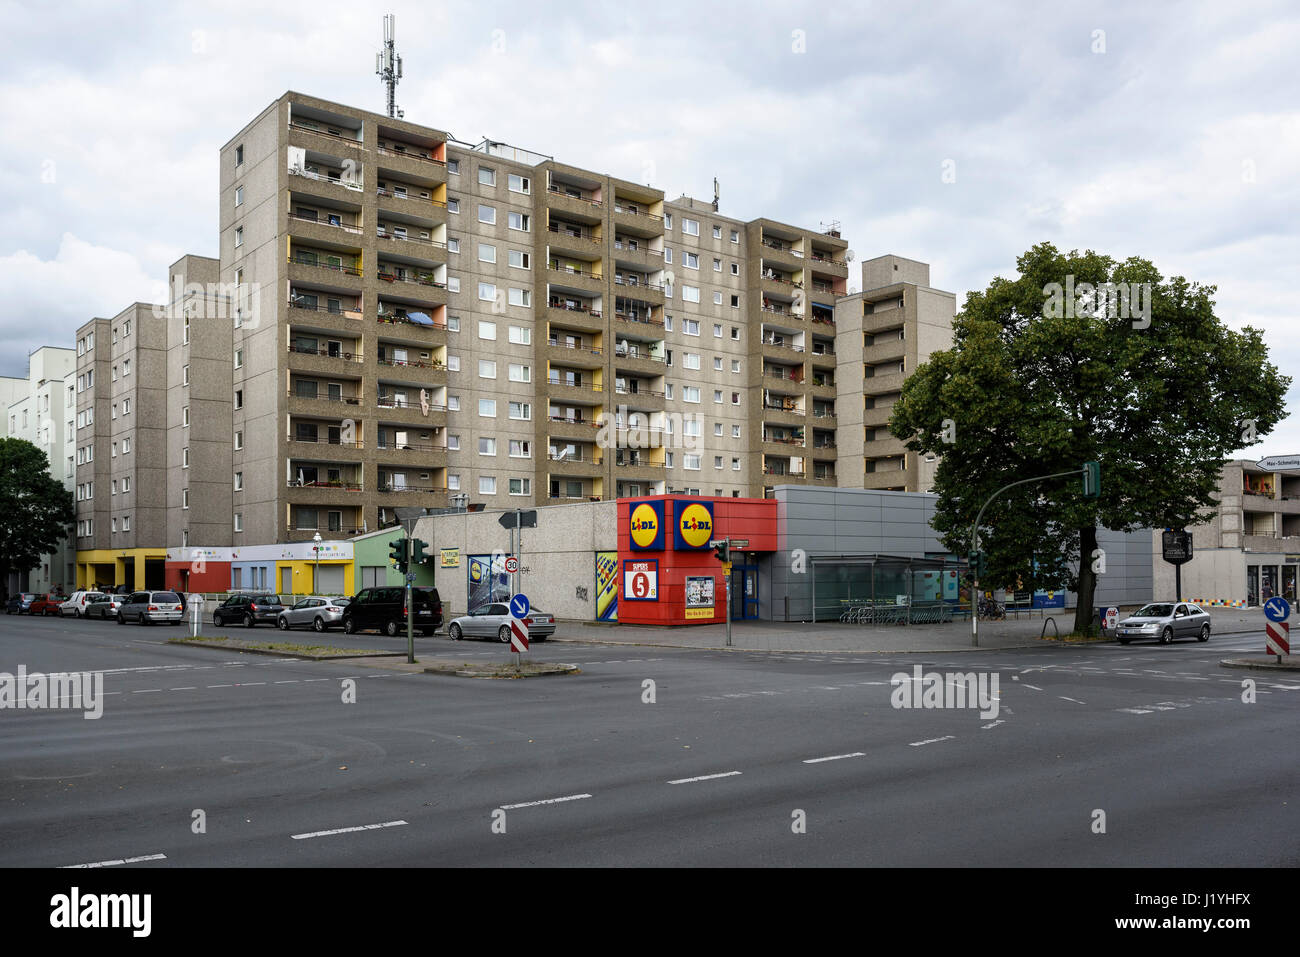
column 744, row 592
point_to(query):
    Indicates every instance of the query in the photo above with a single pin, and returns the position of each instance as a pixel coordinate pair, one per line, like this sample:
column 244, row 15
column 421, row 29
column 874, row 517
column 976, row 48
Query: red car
column 47, row 605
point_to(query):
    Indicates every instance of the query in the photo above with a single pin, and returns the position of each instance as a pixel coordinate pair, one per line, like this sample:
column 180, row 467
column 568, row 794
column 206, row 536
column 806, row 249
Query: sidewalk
column 844, row 638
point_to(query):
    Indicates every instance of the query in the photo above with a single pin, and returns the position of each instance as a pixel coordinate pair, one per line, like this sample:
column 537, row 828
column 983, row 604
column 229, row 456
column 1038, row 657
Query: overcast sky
column 1173, row 134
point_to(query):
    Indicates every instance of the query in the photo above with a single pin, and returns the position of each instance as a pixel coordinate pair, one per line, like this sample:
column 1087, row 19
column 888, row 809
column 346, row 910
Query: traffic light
column 397, row 553
column 976, row 562
column 418, row 555
column 722, row 552
column 1091, row 479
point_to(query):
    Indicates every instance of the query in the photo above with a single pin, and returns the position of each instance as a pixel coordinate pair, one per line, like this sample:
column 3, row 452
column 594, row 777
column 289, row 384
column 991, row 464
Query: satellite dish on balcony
column 848, row 256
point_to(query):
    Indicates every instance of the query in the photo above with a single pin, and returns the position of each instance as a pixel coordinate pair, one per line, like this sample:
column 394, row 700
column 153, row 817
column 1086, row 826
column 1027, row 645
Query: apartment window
column 487, row 292
column 487, row 253
column 239, row 196
column 185, row 332
column 453, row 403
column 453, row 285
column 668, row 323
column 668, row 390
column 112, row 527
column 520, row 297
column 735, row 398
column 453, row 166
column 126, row 523
column 453, row 322
column 487, row 446
column 487, row 369
column 114, row 379
column 521, row 335
column 735, row 431
column 239, row 522
column 717, row 461
column 735, row 235
column 487, row 330
column 453, row 482
column 185, row 375
column 690, row 227
column 239, row 398
column 691, row 427
column 520, row 221
column 668, row 254
column 453, row 363
column 239, row 481
column 126, row 446
column 487, row 408
column 185, row 498
column 521, row 449
column 668, row 460
column 690, row 360
column 735, row 271
column 185, row 457
column 487, row 214
column 717, row 395
column 520, row 410
column 717, row 429
column 735, row 365
column 519, row 259
column 239, row 359
column 453, row 245
column 717, row 363
column 690, row 393
column 239, row 155
column 239, row 439
column 717, row 298
column 690, row 293
column 239, row 236
column 453, row 205
column 520, row 373
column 717, row 232
column 487, row 177
column 668, row 220
column 717, row 265
column 521, row 486
column 518, row 184
column 487, row 485
column 735, row 332
column 735, row 465
column 690, row 461
column 690, row 260
column 691, row 327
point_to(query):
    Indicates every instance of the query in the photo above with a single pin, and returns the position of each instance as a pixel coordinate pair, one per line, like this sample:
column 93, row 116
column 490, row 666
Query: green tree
column 36, row 511
column 1055, row 368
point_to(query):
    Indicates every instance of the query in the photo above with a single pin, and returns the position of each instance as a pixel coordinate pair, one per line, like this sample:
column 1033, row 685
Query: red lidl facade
column 668, row 574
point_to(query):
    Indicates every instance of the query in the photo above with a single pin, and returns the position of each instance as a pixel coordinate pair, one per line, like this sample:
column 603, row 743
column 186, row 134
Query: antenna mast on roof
column 716, row 194
column 388, row 64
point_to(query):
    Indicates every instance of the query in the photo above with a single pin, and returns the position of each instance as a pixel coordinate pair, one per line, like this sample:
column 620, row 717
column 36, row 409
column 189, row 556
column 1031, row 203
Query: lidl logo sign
column 694, row 525
column 646, row 526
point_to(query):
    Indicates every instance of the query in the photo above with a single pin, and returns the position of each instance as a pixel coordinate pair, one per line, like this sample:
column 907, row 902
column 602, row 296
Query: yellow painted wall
column 304, row 573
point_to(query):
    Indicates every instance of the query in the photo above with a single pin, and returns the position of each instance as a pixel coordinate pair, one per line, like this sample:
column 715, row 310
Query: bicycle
column 990, row 610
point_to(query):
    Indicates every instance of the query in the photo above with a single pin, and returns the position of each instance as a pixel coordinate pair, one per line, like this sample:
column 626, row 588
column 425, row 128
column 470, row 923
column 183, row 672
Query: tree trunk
column 1084, row 615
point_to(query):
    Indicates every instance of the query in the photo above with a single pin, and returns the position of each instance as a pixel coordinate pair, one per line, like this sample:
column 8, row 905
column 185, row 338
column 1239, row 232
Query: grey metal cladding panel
column 913, row 530
column 803, row 511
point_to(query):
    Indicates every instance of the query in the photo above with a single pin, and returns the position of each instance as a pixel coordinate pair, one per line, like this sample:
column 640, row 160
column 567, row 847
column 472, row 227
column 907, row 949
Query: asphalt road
column 582, row 770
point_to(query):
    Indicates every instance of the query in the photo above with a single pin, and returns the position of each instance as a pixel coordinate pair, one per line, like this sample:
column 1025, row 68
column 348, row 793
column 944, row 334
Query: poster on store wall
column 607, row 586
column 699, row 597
column 488, row 581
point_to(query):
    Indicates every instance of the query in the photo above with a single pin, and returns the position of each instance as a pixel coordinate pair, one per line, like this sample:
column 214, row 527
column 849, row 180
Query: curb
column 282, row 654
column 1260, row 664
column 1035, row 643
column 555, row 669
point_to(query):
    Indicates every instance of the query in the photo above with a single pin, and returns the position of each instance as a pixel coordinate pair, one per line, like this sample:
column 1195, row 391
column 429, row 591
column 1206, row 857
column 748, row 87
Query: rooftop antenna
column 716, row 194
column 832, row 228
column 388, row 65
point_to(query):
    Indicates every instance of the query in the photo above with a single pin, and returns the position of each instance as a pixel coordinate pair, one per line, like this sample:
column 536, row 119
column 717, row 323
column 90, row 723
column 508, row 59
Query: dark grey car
column 1165, row 621
column 248, row 610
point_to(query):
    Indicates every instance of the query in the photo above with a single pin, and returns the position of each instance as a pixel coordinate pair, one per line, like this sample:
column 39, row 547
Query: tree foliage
column 36, row 511
column 1039, row 382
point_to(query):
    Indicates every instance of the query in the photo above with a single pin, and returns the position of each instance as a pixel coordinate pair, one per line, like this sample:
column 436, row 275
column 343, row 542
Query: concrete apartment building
column 41, row 410
column 882, row 334
column 1248, row 549
column 422, row 319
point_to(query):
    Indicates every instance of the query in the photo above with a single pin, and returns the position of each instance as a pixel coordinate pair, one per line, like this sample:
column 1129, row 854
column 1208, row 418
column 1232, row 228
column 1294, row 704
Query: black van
column 384, row 609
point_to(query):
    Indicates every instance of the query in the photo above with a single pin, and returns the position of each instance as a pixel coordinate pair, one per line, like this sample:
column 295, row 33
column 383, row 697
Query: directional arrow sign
column 519, row 606
column 1277, row 609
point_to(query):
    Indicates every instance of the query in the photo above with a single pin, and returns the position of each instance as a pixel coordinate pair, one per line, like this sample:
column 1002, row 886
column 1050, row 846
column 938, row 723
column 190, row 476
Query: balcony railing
column 394, row 318
column 770, row 470
column 785, row 440
column 343, row 486
column 637, row 282
column 818, row 257
column 388, row 402
column 781, row 247
column 637, row 317
column 586, row 386
column 349, row 312
column 351, row 141
column 636, row 354
column 823, row 352
column 624, row 390
column 387, row 487
column 783, row 345
column 635, row 247
column 784, row 376
column 823, row 382
column 560, row 304
column 823, row 445
column 392, row 194
column 346, row 227
column 323, row 397
column 572, row 420
column 824, row 414
column 589, row 272
column 772, row 277
column 335, row 178
column 325, row 440
column 384, row 446
column 821, row 288
column 413, row 363
column 634, row 211
column 573, row 233
column 781, row 407
column 381, row 233
column 421, row 280
column 410, row 154
column 341, row 529
column 824, row 320
column 780, row 311
column 342, row 356
column 572, row 345
column 578, row 457
column 637, row 463
column 580, row 198
column 301, row 260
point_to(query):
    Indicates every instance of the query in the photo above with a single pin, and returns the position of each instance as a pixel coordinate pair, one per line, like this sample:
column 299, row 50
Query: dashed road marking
column 705, row 777
column 835, row 757
column 559, row 800
column 125, row 860
column 946, row 737
column 347, row 830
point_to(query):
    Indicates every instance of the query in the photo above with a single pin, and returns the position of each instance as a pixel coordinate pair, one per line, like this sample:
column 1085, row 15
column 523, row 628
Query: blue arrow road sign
column 519, row 606
column 1277, row 609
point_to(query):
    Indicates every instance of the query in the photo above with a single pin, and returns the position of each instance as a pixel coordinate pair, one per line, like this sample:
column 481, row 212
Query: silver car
column 493, row 621
column 315, row 612
column 150, row 607
column 1165, row 621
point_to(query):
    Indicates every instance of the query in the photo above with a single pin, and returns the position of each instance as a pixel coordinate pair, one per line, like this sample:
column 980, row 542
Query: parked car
column 315, row 612
column 47, row 604
column 1165, row 621
column 18, row 604
column 150, row 607
column 105, row 606
column 251, row 609
column 76, row 605
column 493, row 621
column 384, row 609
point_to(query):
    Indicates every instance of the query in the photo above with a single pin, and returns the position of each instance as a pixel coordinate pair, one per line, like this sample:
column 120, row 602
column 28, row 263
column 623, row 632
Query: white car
column 78, row 603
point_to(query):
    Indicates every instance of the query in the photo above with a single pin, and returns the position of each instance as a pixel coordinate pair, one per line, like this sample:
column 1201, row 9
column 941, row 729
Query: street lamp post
column 315, row 580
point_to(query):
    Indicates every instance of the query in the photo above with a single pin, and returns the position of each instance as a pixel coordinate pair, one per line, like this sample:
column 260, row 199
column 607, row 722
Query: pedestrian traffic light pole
column 1091, row 473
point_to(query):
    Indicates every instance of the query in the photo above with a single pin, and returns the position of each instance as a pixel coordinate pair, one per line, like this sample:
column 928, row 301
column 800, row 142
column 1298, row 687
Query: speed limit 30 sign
column 641, row 580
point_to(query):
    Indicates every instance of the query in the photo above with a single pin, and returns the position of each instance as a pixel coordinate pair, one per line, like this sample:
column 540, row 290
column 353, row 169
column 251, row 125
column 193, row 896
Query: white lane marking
column 190, row 688
column 347, row 830
column 993, row 725
column 705, row 777
column 220, row 686
column 148, row 691
column 1034, row 687
column 835, row 757
column 560, row 800
column 249, row 684
column 125, row 860
column 946, row 737
column 291, row 681
column 1064, row 698
column 1134, row 710
column 305, row 680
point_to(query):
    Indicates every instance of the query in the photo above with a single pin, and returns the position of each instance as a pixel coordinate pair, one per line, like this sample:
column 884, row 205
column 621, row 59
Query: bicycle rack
column 1056, row 631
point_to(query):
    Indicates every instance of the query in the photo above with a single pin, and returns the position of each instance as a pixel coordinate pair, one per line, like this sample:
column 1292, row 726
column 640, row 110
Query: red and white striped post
column 1277, row 636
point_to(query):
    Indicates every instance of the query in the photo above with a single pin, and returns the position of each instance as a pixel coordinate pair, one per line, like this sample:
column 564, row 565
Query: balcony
column 878, row 384
column 338, row 271
column 406, row 327
column 326, row 228
column 432, row 290
column 572, row 427
column 633, row 285
column 823, row 413
column 580, row 392
column 325, row 318
column 323, row 493
column 878, row 417
column 639, row 399
column 586, row 277
column 420, row 161
column 637, row 255
column 623, row 459
column 585, row 461
column 412, row 246
column 822, row 385
column 634, row 219
column 638, row 360
column 782, row 309
column 824, row 357
column 781, row 252
column 314, row 135
column 330, row 185
column 826, row 261
column 325, row 361
column 823, row 320
column 305, row 445
column 411, row 410
column 578, row 355
column 783, row 413
column 321, row 403
column 575, row 240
